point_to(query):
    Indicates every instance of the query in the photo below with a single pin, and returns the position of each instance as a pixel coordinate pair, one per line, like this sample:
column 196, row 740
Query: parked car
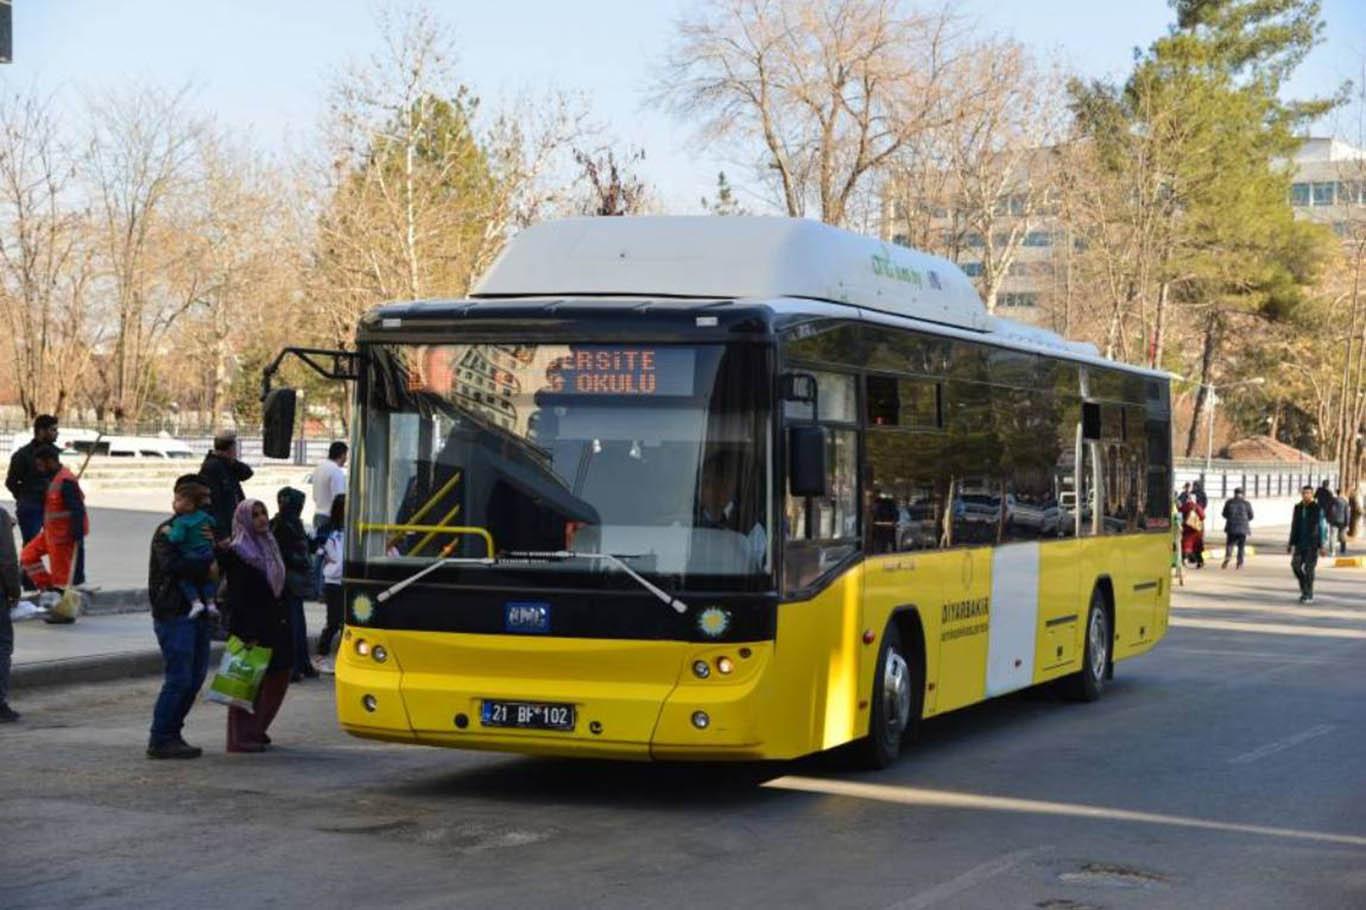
column 160, row 447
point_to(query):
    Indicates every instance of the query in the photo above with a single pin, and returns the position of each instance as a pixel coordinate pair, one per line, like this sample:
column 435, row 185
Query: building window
column 1323, row 193
column 1038, row 238
column 1017, row 269
column 972, row 269
column 1349, row 191
column 1018, row 300
column 973, row 239
column 1299, row 194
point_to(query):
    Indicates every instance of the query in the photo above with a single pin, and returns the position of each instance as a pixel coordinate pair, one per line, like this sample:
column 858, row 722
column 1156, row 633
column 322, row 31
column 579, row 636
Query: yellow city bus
column 732, row 488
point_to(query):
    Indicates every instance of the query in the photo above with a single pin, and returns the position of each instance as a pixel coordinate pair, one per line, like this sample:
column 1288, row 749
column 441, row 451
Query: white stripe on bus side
column 1014, row 617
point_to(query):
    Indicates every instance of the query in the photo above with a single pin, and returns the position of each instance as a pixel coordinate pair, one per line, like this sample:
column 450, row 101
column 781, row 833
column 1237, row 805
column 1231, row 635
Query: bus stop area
column 1229, row 754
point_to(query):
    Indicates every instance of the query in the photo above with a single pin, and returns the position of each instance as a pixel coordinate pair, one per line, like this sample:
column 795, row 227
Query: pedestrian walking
column 224, row 474
column 1308, row 531
column 65, row 526
column 1324, row 497
column 334, row 554
column 1339, row 513
column 1354, row 515
column 10, row 589
column 182, row 638
column 329, row 482
column 1237, row 526
column 295, row 550
column 1193, row 532
column 257, row 615
column 27, row 484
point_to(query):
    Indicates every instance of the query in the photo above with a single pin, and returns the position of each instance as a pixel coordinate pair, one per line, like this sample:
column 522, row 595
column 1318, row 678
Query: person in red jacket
column 65, row 525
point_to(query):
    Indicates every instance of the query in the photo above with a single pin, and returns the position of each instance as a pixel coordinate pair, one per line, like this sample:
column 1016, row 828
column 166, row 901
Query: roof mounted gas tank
column 731, row 257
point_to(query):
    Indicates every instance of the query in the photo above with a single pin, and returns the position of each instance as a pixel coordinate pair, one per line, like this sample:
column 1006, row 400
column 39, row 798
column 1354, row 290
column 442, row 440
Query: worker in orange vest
column 65, row 524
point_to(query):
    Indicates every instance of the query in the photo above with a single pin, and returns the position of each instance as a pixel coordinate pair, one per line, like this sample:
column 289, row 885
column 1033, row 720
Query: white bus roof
column 739, row 257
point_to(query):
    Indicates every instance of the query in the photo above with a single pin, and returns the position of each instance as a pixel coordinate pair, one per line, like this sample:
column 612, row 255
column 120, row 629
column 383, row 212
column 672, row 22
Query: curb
column 1349, row 562
column 110, row 603
column 98, row 668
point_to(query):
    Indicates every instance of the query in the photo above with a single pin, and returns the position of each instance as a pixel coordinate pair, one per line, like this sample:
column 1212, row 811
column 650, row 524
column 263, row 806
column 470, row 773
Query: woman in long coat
column 258, row 615
column 1193, row 532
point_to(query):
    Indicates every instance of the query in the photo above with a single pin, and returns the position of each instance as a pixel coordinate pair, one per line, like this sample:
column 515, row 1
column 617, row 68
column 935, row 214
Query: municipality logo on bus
column 884, row 267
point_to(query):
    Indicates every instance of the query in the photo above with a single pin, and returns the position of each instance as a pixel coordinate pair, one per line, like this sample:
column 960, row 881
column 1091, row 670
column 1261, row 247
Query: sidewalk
column 98, row 647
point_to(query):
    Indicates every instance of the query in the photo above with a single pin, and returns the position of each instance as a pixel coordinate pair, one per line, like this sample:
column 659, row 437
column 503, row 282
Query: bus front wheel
column 1088, row 683
column 893, row 707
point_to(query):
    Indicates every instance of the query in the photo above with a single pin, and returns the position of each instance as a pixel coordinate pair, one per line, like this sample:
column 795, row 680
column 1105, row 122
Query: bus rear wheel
column 894, row 705
column 1088, row 683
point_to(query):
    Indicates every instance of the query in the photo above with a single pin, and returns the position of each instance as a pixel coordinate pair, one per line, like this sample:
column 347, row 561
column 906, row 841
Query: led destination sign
column 623, row 370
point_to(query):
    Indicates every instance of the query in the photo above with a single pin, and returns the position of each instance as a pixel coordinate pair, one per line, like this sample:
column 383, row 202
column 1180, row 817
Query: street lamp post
column 1213, row 399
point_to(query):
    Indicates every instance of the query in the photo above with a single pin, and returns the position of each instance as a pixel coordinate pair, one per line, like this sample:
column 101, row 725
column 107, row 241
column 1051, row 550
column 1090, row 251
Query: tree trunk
column 1207, row 353
column 1159, row 325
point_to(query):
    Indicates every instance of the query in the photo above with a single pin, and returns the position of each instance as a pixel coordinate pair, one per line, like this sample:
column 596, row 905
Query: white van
column 161, row 447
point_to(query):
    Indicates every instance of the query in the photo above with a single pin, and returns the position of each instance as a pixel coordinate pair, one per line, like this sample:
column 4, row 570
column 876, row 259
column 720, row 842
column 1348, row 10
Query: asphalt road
column 116, row 553
column 1225, row 769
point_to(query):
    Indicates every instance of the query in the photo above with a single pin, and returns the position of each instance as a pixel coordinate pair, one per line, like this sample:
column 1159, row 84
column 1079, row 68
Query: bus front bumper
column 637, row 700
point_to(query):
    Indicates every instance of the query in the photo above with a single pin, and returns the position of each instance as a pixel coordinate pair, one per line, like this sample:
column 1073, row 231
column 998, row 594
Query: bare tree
column 45, row 262
column 831, row 89
column 613, row 187
column 140, row 163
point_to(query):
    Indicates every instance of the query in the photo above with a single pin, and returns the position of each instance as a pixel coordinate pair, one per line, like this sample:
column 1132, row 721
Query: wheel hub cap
column 896, row 695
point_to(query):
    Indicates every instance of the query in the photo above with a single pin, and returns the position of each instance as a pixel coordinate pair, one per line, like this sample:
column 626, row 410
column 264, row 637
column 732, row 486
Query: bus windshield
column 656, row 453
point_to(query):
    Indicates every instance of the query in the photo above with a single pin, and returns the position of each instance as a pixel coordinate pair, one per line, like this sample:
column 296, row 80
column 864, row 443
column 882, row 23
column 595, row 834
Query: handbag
column 1193, row 521
column 239, row 675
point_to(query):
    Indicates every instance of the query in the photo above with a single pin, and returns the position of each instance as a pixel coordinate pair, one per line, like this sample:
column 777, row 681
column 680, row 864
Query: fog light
column 369, row 703
column 362, row 647
column 379, row 654
column 700, row 720
column 701, row 669
column 724, row 665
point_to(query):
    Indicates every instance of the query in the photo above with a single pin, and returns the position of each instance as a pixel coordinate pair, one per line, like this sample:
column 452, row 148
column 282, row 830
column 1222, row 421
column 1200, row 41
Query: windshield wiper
column 617, row 560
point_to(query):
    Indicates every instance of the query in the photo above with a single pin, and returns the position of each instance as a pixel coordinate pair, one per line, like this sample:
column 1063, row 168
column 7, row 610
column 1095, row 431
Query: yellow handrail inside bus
column 445, row 520
column 433, row 500
column 432, row 529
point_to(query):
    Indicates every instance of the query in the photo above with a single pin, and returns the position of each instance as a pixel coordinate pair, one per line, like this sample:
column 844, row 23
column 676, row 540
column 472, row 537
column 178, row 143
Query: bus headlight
column 379, row 653
column 362, row 647
column 701, row 669
column 700, row 720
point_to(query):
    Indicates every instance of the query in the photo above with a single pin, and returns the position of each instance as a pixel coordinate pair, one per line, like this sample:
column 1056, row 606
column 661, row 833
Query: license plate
column 527, row 715
column 527, row 617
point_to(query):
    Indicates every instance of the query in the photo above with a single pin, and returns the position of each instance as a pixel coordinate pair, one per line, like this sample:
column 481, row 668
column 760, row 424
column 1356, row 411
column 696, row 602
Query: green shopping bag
column 239, row 675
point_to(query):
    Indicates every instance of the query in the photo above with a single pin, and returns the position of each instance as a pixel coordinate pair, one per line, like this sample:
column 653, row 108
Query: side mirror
column 1090, row 421
column 277, row 423
column 806, row 461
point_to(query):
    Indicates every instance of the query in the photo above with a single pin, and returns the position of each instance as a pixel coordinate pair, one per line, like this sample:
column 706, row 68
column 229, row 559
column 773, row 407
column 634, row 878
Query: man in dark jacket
column 1306, row 542
column 1198, row 491
column 1324, row 497
column 9, row 594
column 27, row 484
column 184, row 642
column 296, row 551
column 1237, row 525
column 223, row 474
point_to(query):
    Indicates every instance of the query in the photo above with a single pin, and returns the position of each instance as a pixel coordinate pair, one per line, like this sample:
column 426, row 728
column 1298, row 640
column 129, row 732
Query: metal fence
column 306, row 451
column 1257, row 479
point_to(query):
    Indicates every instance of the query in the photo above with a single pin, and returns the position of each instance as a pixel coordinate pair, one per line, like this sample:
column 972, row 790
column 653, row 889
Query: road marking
column 1281, row 745
column 1285, row 611
column 1250, row 655
column 949, row 799
column 969, row 879
column 1269, row 628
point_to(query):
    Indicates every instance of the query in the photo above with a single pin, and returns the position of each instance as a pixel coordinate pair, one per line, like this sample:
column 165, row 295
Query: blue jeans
column 185, row 649
column 29, row 515
column 6, row 648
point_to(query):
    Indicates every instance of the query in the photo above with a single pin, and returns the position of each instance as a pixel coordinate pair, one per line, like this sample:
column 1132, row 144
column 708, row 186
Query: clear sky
column 263, row 65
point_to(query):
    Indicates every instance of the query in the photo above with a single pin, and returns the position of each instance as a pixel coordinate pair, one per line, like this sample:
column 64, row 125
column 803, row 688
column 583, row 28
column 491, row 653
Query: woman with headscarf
column 293, row 540
column 255, row 573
